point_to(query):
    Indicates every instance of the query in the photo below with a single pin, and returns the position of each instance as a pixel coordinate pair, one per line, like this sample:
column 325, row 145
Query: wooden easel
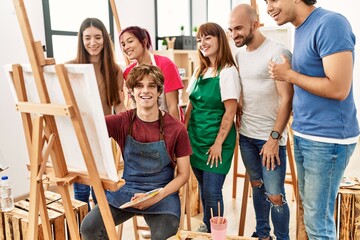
column 43, row 141
column 118, row 25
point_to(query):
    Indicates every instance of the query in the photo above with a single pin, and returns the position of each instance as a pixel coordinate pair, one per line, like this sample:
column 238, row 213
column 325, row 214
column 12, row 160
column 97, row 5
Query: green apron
column 204, row 125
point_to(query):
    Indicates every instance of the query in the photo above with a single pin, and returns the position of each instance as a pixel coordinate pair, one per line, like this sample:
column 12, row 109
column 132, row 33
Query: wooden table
column 205, row 236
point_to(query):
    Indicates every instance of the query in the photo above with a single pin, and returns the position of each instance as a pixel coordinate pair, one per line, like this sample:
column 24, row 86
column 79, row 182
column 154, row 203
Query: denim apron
column 147, row 166
column 204, row 125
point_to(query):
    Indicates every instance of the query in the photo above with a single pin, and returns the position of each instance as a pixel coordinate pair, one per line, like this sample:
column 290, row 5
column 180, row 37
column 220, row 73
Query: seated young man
column 153, row 143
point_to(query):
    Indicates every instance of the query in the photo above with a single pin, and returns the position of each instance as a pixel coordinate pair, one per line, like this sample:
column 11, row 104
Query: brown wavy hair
column 109, row 68
column 138, row 73
column 224, row 56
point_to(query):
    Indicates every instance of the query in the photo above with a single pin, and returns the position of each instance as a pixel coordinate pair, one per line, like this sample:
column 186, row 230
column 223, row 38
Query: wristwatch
column 275, row 135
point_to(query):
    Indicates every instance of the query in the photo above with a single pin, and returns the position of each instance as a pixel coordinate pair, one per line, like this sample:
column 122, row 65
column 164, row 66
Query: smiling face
column 208, row 46
column 131, row 46
column 146, row 83
column 282, row 11
column 146, row 93
column 93, row 41
column 241, row 25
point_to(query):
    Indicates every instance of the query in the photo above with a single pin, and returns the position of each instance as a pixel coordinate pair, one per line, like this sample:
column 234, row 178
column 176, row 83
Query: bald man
column 262, row 120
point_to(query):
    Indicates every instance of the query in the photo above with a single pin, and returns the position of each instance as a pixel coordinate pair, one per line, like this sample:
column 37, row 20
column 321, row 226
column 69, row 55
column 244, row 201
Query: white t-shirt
column 230, row 87
column 260, row 96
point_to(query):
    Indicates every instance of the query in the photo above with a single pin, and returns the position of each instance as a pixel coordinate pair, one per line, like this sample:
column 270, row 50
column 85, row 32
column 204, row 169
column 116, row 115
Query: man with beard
column 262, row 119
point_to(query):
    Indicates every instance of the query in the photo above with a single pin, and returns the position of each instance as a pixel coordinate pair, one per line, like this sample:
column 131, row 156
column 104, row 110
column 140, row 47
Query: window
column 62, row 21
column 218, row 12
column 172, row 14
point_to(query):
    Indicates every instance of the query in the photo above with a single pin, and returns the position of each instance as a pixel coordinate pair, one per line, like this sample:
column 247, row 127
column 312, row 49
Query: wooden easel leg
column 235, row 170
column 187, row 207
column 182, row 206
column 37, row 198
column 300, row 225
column 135, row 223
column 45, row 222
column 244, row 205
column 292, row 166
column 69, row 212
column 120, row 231
column 104, row 209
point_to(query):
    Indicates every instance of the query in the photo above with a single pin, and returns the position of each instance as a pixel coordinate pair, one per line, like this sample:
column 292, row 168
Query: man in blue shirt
column 325, row 125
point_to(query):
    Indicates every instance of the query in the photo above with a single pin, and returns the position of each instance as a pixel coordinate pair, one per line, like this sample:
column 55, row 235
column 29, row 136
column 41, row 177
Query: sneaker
column 256, row 236
column 202, row 228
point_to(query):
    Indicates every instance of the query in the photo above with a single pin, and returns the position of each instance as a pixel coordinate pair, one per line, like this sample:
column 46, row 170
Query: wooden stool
column 292, row 180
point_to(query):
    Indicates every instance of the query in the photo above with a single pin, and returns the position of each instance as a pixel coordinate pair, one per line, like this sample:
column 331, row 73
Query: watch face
column 275, row 135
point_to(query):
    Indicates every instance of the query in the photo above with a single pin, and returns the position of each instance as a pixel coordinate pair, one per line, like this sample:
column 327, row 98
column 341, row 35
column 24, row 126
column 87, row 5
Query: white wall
column 12, row 49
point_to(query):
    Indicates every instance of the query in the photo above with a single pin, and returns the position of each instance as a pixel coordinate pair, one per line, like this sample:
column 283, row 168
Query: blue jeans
column 320, row 167
column 162, row 226
column 273, row 184
column 82, row 193
column 210, row 186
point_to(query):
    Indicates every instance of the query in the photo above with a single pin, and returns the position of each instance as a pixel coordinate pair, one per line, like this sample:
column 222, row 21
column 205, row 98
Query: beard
column 245, row 39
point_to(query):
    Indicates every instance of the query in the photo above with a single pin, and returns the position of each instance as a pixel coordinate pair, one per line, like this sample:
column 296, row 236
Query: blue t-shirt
column 323, row 33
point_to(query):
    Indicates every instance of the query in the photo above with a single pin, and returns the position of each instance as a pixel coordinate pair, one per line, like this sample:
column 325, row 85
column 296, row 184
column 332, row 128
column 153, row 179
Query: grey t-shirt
column 260, row 96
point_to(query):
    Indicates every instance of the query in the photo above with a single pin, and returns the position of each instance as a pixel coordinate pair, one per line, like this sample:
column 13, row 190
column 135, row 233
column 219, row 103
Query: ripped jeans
column 272, row 184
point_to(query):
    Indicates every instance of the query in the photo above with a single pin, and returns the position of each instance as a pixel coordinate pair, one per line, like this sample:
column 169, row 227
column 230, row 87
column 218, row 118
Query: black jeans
column 162, row 226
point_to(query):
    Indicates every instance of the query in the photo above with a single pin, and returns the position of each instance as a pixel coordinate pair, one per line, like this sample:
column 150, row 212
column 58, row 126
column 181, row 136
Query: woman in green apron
column 214, row 92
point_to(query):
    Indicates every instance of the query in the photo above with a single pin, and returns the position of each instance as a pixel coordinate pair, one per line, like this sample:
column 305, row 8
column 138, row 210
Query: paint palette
column 146, row 196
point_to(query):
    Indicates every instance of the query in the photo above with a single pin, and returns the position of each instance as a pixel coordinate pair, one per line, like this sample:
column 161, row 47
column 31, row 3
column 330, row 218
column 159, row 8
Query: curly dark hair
column 310, row 2
column 138, row 73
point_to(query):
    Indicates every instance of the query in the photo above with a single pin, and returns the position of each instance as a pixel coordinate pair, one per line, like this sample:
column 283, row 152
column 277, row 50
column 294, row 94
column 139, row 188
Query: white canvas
column 84, row 85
